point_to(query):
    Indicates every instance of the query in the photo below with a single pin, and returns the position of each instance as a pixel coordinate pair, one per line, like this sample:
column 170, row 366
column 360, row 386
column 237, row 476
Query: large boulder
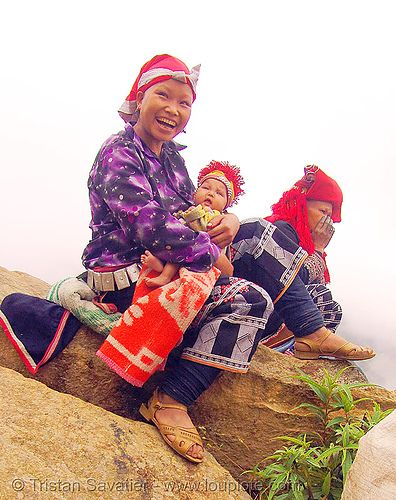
column 239, row 415
column 16, row 281
column 54, row 445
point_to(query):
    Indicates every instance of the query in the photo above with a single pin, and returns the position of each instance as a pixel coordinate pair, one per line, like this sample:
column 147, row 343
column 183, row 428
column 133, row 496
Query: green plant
column 315, row 464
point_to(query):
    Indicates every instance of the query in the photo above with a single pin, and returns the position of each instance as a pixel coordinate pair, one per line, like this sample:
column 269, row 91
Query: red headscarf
column 158, row 69
column 292, row 207
column 319, row 186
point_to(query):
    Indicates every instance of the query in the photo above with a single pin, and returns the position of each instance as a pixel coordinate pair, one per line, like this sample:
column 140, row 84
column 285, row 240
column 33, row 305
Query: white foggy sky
column 283, row 84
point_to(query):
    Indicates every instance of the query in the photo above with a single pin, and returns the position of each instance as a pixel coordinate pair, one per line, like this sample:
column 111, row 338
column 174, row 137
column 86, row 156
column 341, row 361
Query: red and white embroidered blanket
column 155, row 323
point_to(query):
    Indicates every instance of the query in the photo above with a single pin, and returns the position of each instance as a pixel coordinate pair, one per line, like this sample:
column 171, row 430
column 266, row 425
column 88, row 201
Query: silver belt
column 108, row 280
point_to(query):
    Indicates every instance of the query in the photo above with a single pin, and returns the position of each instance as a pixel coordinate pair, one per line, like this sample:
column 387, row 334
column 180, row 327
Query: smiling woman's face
column 165, row 109
column 316, row 210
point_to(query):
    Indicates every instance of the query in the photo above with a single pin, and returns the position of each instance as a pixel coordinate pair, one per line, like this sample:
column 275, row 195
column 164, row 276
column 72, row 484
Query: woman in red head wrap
column 306, row 214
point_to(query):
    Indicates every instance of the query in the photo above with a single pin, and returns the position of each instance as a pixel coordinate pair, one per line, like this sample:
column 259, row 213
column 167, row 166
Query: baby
column 219, row 186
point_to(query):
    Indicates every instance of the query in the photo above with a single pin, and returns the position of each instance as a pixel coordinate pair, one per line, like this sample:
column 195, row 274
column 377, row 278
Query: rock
column 78, row 371
column 239, row 415
column 54, row 445
column 16, row 281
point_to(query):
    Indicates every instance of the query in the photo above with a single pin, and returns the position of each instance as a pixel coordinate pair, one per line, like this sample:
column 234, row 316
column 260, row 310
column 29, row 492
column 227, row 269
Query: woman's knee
column 261, row 300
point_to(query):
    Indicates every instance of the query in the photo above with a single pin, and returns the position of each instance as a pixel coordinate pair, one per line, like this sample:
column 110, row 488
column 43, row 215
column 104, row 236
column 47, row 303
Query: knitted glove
column 76, row 296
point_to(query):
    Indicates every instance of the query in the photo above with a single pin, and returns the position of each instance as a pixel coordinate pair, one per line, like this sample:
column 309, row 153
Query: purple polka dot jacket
column 133, row 195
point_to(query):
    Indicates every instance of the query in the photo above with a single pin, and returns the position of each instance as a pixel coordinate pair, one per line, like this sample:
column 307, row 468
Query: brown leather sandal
column 347, row 351
column 189, row 436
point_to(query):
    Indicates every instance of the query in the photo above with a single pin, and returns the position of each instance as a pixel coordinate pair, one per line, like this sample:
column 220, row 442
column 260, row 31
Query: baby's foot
column 149, row 260
column 160, row 280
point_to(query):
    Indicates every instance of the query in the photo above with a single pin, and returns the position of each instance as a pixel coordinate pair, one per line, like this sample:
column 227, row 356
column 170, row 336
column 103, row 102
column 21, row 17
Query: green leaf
column 330, row 451
column 319, row 389
column 346, row 389
column 338, row 375
column 346, row 465
column 316, row 410
column 363, row 399
column 326, row 484
column 345, row 436
column 298, row 495
column 278, row 485
column 346, row 398
column 335, row 421
column 293, row 440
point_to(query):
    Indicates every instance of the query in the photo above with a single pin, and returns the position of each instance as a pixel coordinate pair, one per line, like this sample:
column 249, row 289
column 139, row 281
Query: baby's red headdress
column 227, row 174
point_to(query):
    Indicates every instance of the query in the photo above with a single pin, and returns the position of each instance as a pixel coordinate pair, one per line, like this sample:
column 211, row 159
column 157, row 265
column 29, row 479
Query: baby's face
column 213, row 194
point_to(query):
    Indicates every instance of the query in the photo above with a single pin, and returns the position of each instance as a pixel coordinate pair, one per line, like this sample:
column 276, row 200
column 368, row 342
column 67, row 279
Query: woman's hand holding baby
column 223, row 228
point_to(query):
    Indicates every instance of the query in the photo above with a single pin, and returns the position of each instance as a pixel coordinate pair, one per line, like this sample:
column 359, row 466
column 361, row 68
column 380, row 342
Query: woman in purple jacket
column 138, row 181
